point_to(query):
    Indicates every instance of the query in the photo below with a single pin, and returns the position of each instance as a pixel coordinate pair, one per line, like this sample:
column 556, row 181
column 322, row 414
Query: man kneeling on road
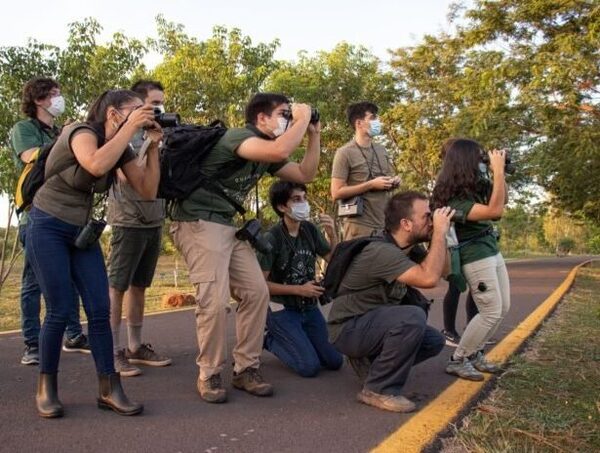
column 370, row 320
column 297, row 332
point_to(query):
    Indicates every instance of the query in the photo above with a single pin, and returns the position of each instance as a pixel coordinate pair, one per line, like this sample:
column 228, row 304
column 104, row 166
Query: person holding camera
column 463, row 183
column 378, row 319
column 219, row 263
column 362, row 176
column 134, row 250
column 42, row 103
column 296, row 329
column 62, row 235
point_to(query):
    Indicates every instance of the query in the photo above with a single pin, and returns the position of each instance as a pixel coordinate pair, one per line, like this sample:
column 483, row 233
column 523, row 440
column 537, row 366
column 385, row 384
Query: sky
column 308, row 25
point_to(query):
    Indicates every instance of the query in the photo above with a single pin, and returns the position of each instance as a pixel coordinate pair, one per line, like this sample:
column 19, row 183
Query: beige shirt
column 356, row 165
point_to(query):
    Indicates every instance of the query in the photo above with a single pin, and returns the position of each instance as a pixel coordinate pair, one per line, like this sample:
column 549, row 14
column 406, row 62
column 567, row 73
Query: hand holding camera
column 442, row 218
column 310, row 289
column 382, row 183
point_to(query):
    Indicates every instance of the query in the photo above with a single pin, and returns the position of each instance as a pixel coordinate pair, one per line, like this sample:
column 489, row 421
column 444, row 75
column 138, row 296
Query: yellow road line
column 424, row 427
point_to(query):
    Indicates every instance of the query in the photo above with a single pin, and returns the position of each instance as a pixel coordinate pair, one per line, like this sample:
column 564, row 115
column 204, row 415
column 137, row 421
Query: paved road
column 305, row 415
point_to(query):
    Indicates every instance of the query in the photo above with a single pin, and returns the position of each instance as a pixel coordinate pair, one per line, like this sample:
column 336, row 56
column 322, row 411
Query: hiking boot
column 481, row 363
column 31, row 355
column 452, row 338
column 463, row 368
column 123, row 366
column 211, row 390
column 393, row 403
column 145, row 355
column 77, row 344
column 361, row 366
column 251, row 381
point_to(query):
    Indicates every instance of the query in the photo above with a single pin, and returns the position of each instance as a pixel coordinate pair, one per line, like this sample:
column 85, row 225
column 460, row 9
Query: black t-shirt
column 292, row 259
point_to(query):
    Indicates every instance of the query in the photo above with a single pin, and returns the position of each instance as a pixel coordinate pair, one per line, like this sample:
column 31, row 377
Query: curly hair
column 34, row 90
column 459, row 176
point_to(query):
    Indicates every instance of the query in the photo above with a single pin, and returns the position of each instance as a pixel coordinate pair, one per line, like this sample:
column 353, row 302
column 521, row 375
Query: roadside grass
column 171, row 276
column 549, row 398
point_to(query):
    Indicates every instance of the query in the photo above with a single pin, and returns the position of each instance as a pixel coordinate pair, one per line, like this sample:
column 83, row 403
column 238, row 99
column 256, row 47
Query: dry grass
column 549, row 399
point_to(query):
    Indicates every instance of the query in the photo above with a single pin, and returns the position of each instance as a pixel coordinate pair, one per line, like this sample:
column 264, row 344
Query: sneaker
column 481, row 363
column 145, row 355
column 361, row 366
column 77, row 344
column 252, row 382
column 31, row 355
column 123, row 366
column 452, row 338
column 394, row 403
column 211, row 390
column 463, row 368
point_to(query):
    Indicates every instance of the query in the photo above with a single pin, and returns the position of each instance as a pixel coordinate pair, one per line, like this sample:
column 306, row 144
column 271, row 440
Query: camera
column 90, row 234
column 251, row 232
column 166, row 119
column 324, row 298
column 458, row 216
column 315, row 116
column 509, row 167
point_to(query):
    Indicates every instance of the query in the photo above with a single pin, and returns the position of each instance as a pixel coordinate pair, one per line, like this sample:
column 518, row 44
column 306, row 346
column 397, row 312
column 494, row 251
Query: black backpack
column 340, row 261
column 184, row 148
column 32, row 177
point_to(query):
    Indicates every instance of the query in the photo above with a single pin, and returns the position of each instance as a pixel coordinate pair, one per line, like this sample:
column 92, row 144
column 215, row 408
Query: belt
column 302, row 304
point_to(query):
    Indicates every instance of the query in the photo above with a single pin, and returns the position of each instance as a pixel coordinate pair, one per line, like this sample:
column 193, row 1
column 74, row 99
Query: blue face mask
column 375, row 127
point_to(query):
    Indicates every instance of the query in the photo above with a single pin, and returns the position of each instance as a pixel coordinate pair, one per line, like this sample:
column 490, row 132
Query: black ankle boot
column 113, row 397
column 48, row 404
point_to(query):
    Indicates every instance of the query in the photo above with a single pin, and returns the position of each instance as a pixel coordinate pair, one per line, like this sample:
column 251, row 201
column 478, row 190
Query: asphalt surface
column 305, row 414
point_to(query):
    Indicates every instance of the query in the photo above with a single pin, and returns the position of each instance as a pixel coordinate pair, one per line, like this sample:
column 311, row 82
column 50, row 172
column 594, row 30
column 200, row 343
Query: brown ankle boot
column 48, row 404
column 113, row 397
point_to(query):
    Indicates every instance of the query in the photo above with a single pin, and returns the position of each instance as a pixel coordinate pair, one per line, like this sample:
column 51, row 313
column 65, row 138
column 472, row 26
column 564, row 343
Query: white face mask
column 282, row 125
column 483, row 168
column 300, row 211
column 160, row 107
column 57, row 106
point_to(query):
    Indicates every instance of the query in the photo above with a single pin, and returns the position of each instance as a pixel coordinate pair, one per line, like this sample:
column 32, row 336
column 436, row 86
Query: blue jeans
column 299, row 339
column 30, row 303
column 58, row 264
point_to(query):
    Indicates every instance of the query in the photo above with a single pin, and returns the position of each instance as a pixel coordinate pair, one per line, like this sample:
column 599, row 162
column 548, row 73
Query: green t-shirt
column 370, row 282
column 27, row 134
column 207, row 205
column 480, row 248
column 292, row 259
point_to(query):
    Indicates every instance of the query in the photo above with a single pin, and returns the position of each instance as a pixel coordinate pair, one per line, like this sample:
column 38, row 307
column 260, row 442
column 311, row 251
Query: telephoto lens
column 166, row 119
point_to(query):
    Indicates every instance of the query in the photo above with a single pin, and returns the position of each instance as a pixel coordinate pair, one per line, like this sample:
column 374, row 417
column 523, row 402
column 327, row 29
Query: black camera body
column 458, row 216
column 315, row 116
column 251, row 232
column 166, row 119
column 90, row 234
column 509, row 167
column 324, row 298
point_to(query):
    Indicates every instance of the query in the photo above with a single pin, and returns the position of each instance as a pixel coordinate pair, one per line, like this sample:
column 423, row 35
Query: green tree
column 212, row 79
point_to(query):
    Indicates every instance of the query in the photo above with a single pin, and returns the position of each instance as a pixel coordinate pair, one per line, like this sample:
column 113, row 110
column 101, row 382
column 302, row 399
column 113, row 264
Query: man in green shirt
column 373, row 320
column 41, row 103
column 221, row 265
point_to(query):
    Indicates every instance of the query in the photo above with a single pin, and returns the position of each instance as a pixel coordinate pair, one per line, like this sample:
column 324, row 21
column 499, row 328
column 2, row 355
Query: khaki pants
column 356, row 230
column 493, row 303
column 221, row 265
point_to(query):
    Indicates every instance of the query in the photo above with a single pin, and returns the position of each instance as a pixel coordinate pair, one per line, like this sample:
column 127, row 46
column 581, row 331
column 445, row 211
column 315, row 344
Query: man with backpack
column 219, row 263
column 377, row 319
column 296, row 329
column 41, row 103
column 134, row 250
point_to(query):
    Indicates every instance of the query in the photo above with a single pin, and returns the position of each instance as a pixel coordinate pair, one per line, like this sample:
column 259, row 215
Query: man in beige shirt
column 361, row 168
